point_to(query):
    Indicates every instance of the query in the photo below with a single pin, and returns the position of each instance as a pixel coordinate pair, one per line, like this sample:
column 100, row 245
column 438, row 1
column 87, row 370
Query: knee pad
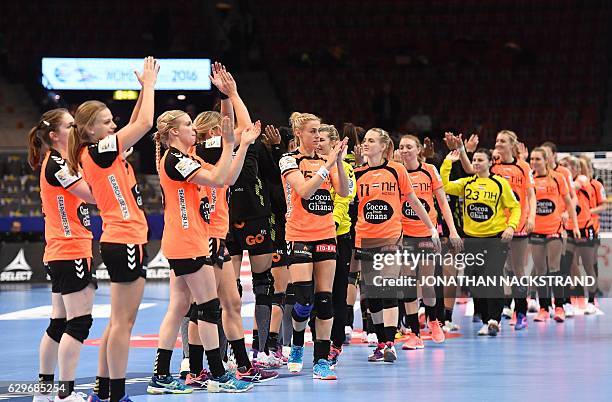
column 263, row 283
column 210, row 311
column 301, row 312
column 303, row 292
column 278, row 299
column 375, row 305
column 290, row 294
column 193, row 313
column 56, row 328
column 323, row 305
column 79, row 327
column 353, row 278
column 239, row 287
column 389, row 303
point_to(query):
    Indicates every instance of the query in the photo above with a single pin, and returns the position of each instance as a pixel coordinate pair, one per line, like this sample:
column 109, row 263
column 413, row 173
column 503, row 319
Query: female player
column 310, row 232
column 94, row 145
column 426, row 183
column 486, row 196
column 329, row 138
column 67, row 255
column 382, row 187
column 192, row 276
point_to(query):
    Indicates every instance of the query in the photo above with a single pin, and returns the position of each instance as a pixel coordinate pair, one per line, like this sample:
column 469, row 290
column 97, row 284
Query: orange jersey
column 67, row 222
column 569, row 181
column 311, row 219
column 586, row 201
column 113, row 184
column 549, row 190
column 600, row 198
column 185, row 231
column 518, row 174
column 381, row 192
column 425, row 180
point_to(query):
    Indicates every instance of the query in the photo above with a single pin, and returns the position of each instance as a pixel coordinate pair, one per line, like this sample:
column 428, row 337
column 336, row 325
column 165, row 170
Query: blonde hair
column 420, row 156
column 39, row 135
column 331, row 131
column 586, row 167
column 205, row 122
column 165, row 122
column 385, row 139
column 573, row 162
column 297, row 121
column 513, row 141
column 78, row 137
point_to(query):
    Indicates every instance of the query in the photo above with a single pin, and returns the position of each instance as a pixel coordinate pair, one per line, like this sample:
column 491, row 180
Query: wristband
column 461, row 148
column 223, row 96
column 323, row 172
column 434, row 232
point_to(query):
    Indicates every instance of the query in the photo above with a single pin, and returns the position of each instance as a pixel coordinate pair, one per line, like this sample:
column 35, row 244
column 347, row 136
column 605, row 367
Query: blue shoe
column 228, row 383
column 521, row 322
column 167, row 385
column 126, row 398
column 322, row 371
column 95, row 398
column 296, row 359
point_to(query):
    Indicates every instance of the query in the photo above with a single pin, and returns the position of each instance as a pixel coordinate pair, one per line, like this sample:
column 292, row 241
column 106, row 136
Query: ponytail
column 157, row 140
column 35, row 145
column 39, row 135
column 78, row 137
column 74, row 150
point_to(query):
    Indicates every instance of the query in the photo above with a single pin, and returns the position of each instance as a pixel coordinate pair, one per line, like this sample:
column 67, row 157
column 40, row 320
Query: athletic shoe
column 278, row 354
column 200, row 382
column 364, row 337
column 372, row 339
column 559, row 314
column 322, row 371
column 521, row 322
column 569, row 310
column 253, row 353
column 542, row 316
column 296, row 359
column 484, row 330
column 450, row 326
column 398, row 335
column 533, row 306
column 73, row 397
column 413, row 342
column 590, row 309
column 286, row 352
column 476, row 318
column 581, row 302
column 268, row 361
column 167, row 385
column 435, row 330
column 255, row 375
column 389, row 354
column 184, row 368
column 230, row 365
column 125, row 398
column 377, row 355
column 492, row 328
column 228, row 383
column 334, row 354
column 507, row 313
column 513, row 320
column 93, row 398
column 348, row 335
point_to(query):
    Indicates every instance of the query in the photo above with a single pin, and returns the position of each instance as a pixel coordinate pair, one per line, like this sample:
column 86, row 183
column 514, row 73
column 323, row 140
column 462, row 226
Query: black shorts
column 588, row 237
column 367, row 254
column 304, row 252
column 70, row 276
column 279, row 257
column 542, row 239
column 253, row 236
column 417, row 244
column 218, row 252
column 124, row 262
column 186, row 266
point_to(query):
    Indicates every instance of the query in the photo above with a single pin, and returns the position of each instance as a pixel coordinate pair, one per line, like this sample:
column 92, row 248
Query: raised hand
column 452, row 141
column 453, row 155
column 523, row 153
column 271, row 136
column 343, row 150
column 148, row 77
column 397, row 157
column 250, row 134
column 227, row 130
column 222, row 79
column 472, row 143
column 428, row 148
column 358, row 152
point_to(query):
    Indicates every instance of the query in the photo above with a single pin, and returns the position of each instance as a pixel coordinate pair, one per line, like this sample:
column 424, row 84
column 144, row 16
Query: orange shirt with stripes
column 600, row 198
column 518, row 173
column 311, row 219
column 67, row 221
column 550, row 190
column 113, row 184
column 381, row 192
column 185, row 231
column 425, row 181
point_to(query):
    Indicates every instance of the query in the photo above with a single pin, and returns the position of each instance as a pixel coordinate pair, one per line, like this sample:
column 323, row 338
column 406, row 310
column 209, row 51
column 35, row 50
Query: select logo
column 18, row 270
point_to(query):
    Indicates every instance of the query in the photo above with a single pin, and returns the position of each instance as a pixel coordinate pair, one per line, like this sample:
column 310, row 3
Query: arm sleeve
column 509, row 201
column 105, row 151
column 287, row 164
column 451, row 187
column 181, row 167
column 58, row 175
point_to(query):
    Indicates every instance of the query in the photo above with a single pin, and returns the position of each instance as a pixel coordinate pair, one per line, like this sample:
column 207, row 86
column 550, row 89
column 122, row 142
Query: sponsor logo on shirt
column 108, row 144
column 186, row 166
column 479, row 212
column 61, row 207
column 183, row 208
column 125, row 212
